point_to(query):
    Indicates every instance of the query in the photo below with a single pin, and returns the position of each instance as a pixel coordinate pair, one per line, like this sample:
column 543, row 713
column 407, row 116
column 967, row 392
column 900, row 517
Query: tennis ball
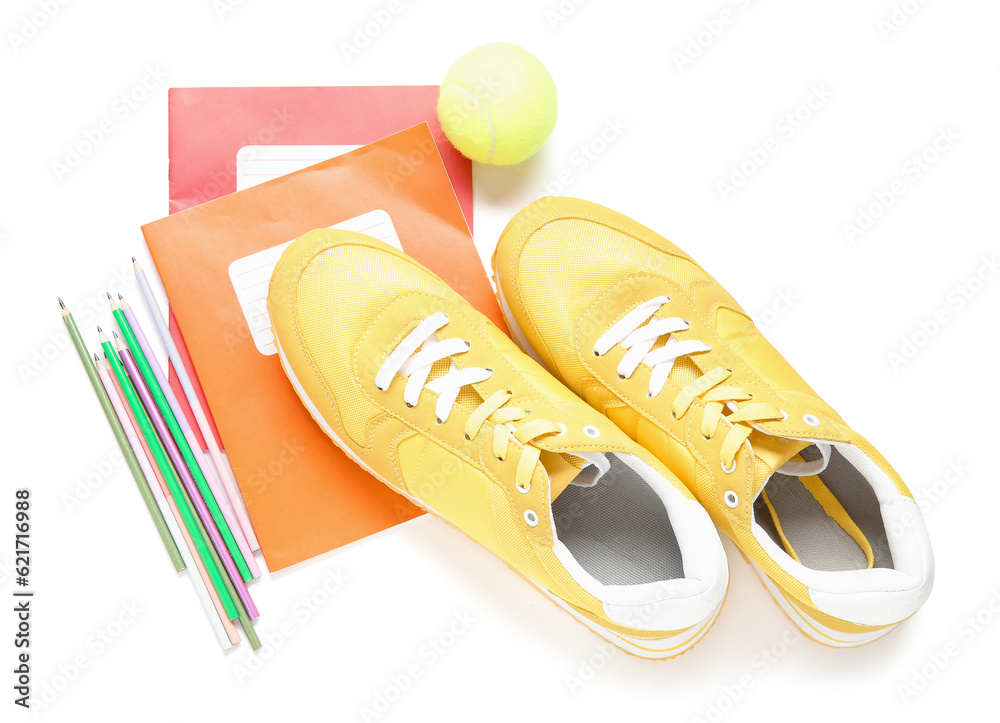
column 497, row 104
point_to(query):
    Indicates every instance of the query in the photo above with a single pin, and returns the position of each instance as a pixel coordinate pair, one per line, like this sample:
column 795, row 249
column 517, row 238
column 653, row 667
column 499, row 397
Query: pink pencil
column 146, row 462
column 220, row 495
column 185, row 474
column 201, row 584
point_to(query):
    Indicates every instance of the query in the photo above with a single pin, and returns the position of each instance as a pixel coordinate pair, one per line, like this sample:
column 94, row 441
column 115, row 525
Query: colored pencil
column 180, row 465
column 200, row 415
column 207, row 472
column 187, row 454
column 243, row 616
column 119, row 432
column 159, row 454
column 200, row 582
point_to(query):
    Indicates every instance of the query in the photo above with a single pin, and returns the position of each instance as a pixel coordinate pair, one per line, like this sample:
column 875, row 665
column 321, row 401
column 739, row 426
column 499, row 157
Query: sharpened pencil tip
column 100, row 330
column 114, row 333
column 97, row 359
column 62, row 304
column 108, row 293
column 134, row 261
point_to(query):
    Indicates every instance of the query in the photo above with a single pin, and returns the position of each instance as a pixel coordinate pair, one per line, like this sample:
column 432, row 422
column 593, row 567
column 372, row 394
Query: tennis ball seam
column 489, row 121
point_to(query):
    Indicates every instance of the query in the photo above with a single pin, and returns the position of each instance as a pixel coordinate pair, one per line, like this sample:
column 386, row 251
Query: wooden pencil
column 130, row 459
column 160, row 456
column 185, row 473
column 146, row 352
column 187, row 454
column 200, row 414
column 200, row 582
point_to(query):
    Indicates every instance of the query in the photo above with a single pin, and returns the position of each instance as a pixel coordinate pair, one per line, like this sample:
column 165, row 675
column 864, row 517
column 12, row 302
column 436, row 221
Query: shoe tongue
column 569, row 469
column 771, row 453
column 777, row 454
column 775, row 451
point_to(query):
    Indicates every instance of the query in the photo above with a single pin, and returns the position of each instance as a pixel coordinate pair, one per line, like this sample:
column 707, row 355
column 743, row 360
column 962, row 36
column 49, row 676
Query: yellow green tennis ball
column 497, row 104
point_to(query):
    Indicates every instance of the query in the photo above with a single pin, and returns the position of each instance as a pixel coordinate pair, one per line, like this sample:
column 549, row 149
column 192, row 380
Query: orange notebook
column 304, row 495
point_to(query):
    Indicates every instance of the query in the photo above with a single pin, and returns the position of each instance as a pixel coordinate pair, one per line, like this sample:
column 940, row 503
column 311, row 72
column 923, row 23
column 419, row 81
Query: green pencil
column 116, row 427
column 169, row 476
column 175, row 430
column 245, row 620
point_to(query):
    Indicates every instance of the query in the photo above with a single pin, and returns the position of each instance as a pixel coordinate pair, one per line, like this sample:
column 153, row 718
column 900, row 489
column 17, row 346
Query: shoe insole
column 618, row 530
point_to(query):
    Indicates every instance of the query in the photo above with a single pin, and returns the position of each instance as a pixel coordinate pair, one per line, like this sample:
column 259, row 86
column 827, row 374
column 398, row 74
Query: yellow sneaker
column 423, row 392
column 634, row 326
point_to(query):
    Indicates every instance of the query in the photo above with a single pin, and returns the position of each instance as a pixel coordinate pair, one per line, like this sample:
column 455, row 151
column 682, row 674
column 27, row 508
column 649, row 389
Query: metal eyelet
column 523, row 490
column 811, row 419
column 591, row 431
column 440, row 421
column 730, row 470
column 732, row 499
column 562, row 429
column 531, row 517
column 784, row 415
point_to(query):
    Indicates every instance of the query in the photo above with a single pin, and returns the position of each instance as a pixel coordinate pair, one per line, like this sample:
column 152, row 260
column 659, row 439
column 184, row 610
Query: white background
column 782, row 234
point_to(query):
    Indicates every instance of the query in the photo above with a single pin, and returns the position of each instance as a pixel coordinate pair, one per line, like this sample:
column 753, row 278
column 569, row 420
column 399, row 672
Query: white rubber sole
column 651, row 649
column 813, row 628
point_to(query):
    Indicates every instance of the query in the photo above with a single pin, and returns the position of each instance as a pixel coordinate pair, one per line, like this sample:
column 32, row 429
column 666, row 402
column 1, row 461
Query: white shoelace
column 630, row 332
column 417, row 366
column 638, row 331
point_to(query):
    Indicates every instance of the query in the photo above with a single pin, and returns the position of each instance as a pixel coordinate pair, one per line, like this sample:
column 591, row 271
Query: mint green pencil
column 119, row 432
column 169, row 476
column 182, row 444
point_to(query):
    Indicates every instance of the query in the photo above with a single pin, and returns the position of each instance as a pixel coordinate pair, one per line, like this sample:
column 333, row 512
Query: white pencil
column 224, row 471
column 192, row 562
